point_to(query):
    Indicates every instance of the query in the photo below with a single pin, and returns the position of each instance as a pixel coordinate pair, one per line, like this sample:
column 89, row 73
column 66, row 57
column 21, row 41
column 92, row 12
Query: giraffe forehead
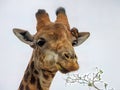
column 54, row 31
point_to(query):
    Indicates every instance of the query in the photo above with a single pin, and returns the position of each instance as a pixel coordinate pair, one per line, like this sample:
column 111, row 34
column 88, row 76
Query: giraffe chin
column 62, row 69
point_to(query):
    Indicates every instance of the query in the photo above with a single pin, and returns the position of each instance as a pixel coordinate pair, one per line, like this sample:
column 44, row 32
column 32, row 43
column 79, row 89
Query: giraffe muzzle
column 69, row 56
column 67, row 63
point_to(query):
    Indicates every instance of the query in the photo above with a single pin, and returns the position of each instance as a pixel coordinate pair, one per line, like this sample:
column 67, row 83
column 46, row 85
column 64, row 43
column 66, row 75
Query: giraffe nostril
column 67, row 56
column 75, row 56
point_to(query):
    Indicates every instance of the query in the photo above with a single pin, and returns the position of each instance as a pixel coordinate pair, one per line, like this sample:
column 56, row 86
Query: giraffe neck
column 36, row 80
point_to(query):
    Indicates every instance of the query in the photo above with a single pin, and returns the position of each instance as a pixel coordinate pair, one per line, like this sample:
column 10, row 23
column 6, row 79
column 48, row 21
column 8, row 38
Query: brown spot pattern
column 27, row 87
column 21, row 86
column 32, row 65
column 33, row 80
column 36, row 72
column 26, row 76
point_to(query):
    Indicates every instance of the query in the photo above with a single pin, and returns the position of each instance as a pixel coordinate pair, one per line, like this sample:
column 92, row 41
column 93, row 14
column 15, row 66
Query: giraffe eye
column 41, row 42
column 74, row 42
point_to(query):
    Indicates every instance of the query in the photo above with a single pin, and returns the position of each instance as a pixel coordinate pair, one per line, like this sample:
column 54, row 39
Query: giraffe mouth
column 61, row 68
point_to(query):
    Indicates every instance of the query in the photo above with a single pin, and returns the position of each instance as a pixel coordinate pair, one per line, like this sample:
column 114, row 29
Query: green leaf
column 101, row 71
column 90, row 84
column 105, row 85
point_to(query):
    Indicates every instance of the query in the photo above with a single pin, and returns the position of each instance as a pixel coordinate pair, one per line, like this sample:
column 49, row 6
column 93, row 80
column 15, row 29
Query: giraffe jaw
column 68, row 67
column 61, row 68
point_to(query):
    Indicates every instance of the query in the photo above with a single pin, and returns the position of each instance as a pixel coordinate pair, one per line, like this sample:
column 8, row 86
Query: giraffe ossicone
column 52, row 49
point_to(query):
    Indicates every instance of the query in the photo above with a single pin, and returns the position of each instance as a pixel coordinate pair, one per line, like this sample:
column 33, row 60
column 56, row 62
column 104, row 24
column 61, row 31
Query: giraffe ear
column 24, row 36
column 82, row 36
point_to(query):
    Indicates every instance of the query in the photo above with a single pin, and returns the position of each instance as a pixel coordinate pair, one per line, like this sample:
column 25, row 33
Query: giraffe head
column 53, row 42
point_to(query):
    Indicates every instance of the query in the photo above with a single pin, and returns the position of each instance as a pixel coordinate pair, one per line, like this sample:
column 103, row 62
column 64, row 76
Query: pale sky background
column 99, row 17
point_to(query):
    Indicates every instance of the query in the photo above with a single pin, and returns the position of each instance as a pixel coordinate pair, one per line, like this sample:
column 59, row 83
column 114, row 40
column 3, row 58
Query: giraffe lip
column 61, row 68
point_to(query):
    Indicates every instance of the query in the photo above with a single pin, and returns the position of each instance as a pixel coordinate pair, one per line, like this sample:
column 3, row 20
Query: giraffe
column 52, row 49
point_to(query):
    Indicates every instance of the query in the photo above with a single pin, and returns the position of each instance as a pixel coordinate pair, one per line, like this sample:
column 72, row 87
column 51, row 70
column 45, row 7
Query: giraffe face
column 55, row 43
